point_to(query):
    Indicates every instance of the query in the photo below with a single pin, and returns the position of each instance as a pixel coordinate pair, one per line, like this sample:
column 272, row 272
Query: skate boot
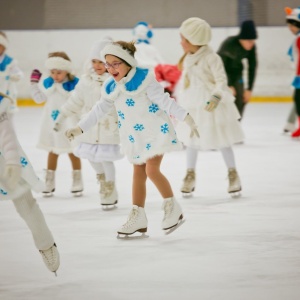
column 289, row 127
column 77, row 185
column 188, row 183
column 173, row 217
column 51, row 258
column 136, row 222
column 235, row 187
column 296, row 133
column 49, row 183
column 101, row 181
column 109, row 195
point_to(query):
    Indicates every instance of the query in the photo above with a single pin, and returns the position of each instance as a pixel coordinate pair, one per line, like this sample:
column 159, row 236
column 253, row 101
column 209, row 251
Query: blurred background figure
column 147, row 55
column 233, row 51
column 10, row 73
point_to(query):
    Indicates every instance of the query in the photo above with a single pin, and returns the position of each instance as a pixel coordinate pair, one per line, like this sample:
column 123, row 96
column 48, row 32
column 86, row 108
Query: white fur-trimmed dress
column 12, row 153
column 101, row 142
column 203, row 76
column 143, row 112
column 55, row 95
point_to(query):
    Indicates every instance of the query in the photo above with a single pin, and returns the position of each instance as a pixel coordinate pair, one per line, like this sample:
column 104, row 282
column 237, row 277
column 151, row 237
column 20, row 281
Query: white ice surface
column 228, row 249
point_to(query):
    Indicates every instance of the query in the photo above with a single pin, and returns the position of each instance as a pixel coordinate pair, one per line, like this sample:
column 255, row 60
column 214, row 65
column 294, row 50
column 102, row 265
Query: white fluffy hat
column 117, row 50
column 58, row 63
column 142, row 31
column 293, row 13
column 98, row 46
column 3, row 41
column 196, row 31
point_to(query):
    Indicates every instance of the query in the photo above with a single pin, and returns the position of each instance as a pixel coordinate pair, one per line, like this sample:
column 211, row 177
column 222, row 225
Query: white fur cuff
column 58, row 63
column 3, row 41
column 117, row 50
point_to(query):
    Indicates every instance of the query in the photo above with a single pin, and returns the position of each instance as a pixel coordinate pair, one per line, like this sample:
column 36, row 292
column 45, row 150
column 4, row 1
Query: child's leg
column 109, row 170
column 52, row 161
column 98, row 167
column 155, row 175
column 296, row 133
column 139, row 185
column 189, row 180
column 76, row 163
column 77, row 185
column 191, row 158
column 228, row 157
column 50, row 174
column 30, row 212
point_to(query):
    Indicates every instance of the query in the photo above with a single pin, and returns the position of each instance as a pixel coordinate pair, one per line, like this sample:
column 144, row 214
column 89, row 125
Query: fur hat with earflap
column 196, row 31
column 293, row 16
column 142, row 32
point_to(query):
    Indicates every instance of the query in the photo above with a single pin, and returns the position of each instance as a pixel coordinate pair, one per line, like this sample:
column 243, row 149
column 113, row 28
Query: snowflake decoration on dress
column 139, row 127
column 121, row 115
column 164, row 128
column 119, row 124
column 3, row 192
column 130, row 102
column 148, row 146
column 131, row 139
column 153, row 108
column 54, row 114
column 174, row 141
column 23, row 161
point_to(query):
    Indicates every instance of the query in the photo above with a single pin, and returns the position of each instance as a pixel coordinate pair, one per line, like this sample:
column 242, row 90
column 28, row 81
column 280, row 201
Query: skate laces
column 131, row 218
column 49, row 255
column 108, row 188
column 168, row 208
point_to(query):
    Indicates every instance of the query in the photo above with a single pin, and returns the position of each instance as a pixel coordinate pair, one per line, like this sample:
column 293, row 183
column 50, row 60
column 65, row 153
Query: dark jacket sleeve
column 252, row 66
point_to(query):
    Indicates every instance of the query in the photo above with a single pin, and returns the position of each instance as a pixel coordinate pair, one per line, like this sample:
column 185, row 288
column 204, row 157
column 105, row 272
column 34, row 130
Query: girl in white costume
column 17, row 179
column 55, row 91
column 203, row 91
column 146, row 131
column 10, row 73
column 100, row 145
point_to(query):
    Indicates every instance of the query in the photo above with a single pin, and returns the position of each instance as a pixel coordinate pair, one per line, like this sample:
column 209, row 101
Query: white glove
column 213, row 103
column 71, row 133
column 58, row 122
column 12, row 175
column 190, row 122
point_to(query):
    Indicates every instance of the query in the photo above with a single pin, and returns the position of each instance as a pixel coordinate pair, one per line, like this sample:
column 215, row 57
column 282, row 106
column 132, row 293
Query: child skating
column 146, row 131
column 17, row 179
column 100, row 145
column 203, row 91
column 55, row 91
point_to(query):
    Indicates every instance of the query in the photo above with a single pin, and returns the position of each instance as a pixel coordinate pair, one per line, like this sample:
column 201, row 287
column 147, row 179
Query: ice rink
column 228, row 249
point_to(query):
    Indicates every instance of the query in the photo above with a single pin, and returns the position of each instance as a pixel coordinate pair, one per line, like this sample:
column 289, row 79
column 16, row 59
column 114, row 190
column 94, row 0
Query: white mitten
column 71, row 133
column 58, row 122
column 213, row 103
column 190, row 122
column 12, row 174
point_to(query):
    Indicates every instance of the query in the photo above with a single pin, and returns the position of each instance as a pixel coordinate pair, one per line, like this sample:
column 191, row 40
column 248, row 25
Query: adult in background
column 233, row 51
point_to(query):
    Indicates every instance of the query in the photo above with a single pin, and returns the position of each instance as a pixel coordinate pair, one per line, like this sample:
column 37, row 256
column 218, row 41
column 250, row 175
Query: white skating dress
column 203, row 76
column 143, row 112
column 55, row 95
column 100, row 143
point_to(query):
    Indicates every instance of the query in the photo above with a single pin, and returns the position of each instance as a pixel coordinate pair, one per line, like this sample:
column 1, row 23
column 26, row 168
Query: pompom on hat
column 117, row 50
column 248, row 31
column 98, row 46
column 196, row 31
column 293, row 16
column 3, row 41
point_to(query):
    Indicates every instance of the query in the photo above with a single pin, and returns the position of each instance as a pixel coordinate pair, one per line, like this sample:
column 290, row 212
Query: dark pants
column 297, row 101
column 239, row 97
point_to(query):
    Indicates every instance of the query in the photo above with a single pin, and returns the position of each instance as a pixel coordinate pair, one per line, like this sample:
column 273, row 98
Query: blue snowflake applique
column 164, row 128
column 136, row 157
column 130, row 102
column 54, row 114
column 121, row 115
column 131, row 139
column 3, row 192
column 148, row 146
column 119, row 124
column 174, row 141
column 23, row 161
column 153, row 108
column 139, row 127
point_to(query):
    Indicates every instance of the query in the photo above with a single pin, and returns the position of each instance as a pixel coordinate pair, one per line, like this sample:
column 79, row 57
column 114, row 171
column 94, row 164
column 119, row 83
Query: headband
column 58, row 63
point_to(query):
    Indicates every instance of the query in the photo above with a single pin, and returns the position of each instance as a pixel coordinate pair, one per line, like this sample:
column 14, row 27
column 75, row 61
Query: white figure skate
column 101, row 181
column 77, row 185
column 109, row 196
column 136, row 222
column 188, row 186
column 289, row 128
column 51, row 258
column 234, row 188
column 173, row 217
column 49, row 183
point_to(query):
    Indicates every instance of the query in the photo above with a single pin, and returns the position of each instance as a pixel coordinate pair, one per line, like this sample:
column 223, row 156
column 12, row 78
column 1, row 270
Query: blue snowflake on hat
column 142, row 32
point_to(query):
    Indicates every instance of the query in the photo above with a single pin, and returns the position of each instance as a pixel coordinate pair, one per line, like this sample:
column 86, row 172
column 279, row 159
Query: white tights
column 106, row 167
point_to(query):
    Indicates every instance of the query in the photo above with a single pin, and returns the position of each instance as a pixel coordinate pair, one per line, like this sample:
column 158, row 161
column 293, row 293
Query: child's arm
column 15, row 73
column 37, row 95
column 100, row 109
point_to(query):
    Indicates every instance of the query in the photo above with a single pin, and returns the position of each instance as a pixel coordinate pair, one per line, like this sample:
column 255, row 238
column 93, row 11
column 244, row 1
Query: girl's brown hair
column 129, row 46
column 64, row 56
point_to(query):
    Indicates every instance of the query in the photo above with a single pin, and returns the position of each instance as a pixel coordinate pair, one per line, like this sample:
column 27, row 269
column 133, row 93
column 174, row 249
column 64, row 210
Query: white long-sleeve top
column 143, row 115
